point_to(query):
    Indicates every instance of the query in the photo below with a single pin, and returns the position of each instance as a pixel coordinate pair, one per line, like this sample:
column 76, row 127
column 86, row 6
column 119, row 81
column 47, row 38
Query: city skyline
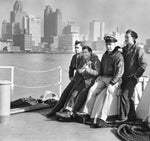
column 118, row 13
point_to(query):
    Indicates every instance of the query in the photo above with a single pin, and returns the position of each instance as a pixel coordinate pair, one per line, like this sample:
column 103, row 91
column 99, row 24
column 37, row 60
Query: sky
column 126, row 14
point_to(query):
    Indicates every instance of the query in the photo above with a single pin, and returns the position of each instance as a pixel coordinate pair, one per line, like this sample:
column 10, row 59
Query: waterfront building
column 66, row 41
column 71, row 28
column 6, row 30
column 52, row 24
column 71, row 33
column 32, row 25
column 6, row 45
column 99, row 45
column 16, row 19
column 24, row 41
column 119, row 37
column 102, row 30
column 96, row 30
column 147, row 46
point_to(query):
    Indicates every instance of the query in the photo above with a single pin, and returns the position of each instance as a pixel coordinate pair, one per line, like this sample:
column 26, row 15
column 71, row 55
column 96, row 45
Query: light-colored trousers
column 98, row 101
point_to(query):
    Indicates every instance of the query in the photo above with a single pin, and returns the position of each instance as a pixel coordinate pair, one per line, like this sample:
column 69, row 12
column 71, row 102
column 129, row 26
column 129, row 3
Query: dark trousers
column 127, row 107
column 82, row 90
column 63, row 97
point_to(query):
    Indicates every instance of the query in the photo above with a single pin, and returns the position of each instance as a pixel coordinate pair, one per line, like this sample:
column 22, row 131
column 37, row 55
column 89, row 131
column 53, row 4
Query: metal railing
column 12, row 74
column 59, row 83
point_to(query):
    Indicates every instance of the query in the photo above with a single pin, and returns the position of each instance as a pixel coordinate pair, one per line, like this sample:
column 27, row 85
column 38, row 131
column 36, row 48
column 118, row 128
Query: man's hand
column 71, row 78
column 98, row 79
column 110, row 89
column 87, row 68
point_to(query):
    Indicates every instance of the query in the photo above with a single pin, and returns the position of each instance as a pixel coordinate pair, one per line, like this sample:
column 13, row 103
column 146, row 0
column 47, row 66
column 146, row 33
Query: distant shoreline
column 97, row 52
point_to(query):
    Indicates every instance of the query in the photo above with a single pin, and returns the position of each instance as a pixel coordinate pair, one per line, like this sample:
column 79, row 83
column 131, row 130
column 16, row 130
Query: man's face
column 86, row 53
column 78, row 48
column 129, row 39
column 110, row 46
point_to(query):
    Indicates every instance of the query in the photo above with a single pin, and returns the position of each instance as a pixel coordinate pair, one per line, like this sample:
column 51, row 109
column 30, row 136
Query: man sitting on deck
column 99, row 97
column 89, row 70
column 73, row 76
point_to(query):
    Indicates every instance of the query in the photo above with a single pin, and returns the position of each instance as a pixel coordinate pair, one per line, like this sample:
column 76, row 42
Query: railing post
column 60, row 81
column 12, row 78
column 12, row 81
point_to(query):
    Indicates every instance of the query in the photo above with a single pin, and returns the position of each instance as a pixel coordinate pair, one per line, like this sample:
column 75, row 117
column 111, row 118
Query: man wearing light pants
column 103, row 100
column 100, row 94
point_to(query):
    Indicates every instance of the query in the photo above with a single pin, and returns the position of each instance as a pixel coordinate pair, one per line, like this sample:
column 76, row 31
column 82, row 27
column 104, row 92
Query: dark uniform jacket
column 112, row 64
column 75, row 61
column 94, row 65
column 135, row 62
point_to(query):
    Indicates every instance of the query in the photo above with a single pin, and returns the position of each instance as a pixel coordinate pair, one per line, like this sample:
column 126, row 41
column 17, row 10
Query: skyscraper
column 71, row 33
column 71, row 28
column 32, row 25
column 96, row 30
column 102, row 30
column 16, row 18
column 6, row 30
column 52, row 24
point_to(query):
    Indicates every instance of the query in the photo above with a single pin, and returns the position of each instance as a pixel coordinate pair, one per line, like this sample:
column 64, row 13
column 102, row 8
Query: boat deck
column 34, row 126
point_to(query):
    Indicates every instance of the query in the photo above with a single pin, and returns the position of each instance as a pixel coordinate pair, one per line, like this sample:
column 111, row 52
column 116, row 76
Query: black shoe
column 84, row 116
column 49, row 115
column 102, row 123
column 94, row 125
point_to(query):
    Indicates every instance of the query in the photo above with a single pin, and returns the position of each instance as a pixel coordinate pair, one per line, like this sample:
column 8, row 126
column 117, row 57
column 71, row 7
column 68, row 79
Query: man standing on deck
column 73, row 76
column 135, row 65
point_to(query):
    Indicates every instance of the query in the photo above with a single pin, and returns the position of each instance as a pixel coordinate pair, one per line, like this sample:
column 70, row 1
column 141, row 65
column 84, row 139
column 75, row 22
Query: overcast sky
column 125, row 14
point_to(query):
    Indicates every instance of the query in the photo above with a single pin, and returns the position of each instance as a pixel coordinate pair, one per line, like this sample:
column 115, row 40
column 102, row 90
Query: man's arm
column 119, row 69
column 95, row 69
column 71, row 68
column 142, row 63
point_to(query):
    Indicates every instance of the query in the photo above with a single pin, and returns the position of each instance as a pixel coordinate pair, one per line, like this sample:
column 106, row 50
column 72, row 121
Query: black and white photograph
column 74, row 70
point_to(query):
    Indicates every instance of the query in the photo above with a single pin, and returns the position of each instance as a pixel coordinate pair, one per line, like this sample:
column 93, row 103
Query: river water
column 28, row 82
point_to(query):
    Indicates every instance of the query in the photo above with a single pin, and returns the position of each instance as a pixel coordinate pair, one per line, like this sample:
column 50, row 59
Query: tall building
column 24, row 41
column 147, row 46
column 71, row 28
column 119, row 37
column 66, row 41
column 32, row 25
column 6, row 30
column 71, row 33
column 102, row 30
column 52, row 24
column 58, row 22
column 97, row 30
column 16, row 18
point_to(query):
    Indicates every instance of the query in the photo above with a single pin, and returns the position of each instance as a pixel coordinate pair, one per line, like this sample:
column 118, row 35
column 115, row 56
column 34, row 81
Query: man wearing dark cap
column 73, row 76
column 100, row 94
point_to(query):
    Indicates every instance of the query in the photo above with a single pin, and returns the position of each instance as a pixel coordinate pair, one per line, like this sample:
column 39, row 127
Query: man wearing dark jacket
column 89, row 69
column 99, row 97
column 76, row 58
column 73, row 76
column 135, row 65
